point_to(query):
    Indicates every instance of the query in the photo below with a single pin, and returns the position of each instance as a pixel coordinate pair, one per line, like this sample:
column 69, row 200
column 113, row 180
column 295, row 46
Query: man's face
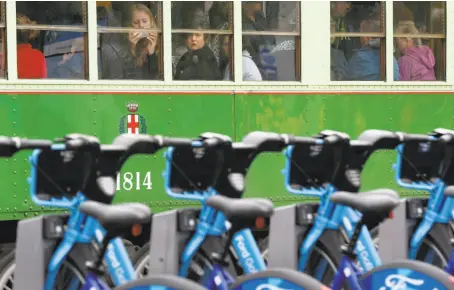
column 195, row 41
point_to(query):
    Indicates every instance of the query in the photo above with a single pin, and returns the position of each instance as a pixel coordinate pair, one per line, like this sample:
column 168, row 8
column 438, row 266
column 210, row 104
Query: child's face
column 403, row 43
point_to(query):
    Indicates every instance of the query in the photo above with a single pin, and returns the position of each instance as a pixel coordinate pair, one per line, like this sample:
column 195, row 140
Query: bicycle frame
column 92, row 282
column 119, row 265
column 220, row 279
column 346, row 266
column 213, row 223
column 81, row 229
column 438, row 210
column 332, row 217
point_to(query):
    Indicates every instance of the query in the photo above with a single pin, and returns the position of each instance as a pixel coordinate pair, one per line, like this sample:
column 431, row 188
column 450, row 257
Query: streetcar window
column 420, row 40
column 51, row 39
column 202, row 46
column 271, row 38
column 358, row 41
column 130, row 40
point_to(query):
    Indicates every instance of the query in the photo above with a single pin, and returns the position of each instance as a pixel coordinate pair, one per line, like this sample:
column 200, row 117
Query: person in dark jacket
column 134, row 56
column 199, row 62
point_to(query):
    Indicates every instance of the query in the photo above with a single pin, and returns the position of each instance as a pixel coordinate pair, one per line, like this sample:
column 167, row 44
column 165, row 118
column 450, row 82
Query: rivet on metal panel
column 25, row 214
column 14, row 110
column 14, row 184
column 170, row 110
column 14, row 172
column 94, row 122
column 14, row 215
column 170, row 122
column 25, row 201
column 15, row 208
column 14, row 196
column 94, row 110
column 36, row 214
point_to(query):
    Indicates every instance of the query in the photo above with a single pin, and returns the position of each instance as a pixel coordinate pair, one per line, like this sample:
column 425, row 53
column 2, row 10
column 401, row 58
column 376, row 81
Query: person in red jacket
column 31, row 63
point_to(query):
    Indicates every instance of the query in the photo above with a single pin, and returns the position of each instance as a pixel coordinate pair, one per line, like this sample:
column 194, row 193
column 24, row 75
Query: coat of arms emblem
column 132, row 123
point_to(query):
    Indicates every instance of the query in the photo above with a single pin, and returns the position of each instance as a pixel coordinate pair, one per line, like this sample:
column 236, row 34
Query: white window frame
column 315, row 71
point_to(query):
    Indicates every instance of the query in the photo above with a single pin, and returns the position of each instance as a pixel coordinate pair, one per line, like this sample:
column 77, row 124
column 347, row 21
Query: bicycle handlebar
column 11, row 145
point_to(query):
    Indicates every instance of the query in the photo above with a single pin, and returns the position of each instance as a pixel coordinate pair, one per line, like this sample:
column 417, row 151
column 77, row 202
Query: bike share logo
column 244, row 253
column 400, row 282
column 132, row 123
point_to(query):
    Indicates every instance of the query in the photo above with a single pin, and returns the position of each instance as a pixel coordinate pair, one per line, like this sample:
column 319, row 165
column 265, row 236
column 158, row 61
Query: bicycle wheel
column 167, row 281
column 323, row 261
column 199, row 270
column 407, row 274
column 70, row 276
column 277, row 279
column 433, row 250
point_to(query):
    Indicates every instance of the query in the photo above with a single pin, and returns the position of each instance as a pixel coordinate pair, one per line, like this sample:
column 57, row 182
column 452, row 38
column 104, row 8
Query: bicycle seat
column 377, row 201
column 449, row 191
column 117, row 216
column 249, row 208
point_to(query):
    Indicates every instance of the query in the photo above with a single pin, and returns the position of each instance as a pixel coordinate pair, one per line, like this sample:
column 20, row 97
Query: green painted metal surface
column 53, row 115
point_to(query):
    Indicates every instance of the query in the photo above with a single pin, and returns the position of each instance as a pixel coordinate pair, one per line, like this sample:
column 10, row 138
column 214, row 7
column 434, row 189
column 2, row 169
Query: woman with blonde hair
column 134, row 56
column 417, row 61
column 31, row 63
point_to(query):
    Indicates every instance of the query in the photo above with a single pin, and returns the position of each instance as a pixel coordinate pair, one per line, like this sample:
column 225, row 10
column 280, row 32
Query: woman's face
column 140, row 19
column 195, row 41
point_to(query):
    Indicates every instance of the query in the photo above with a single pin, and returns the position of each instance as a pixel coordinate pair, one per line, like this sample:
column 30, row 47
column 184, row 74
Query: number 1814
column 134, row 180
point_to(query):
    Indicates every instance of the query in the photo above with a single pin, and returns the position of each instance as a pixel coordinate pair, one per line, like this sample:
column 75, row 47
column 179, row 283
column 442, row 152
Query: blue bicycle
column 79, row 175
column 425, row 164
column 216, row 177
column 320, row 170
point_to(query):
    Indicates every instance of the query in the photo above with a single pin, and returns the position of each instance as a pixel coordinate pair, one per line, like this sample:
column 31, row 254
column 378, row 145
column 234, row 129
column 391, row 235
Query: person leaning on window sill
column 132, row 56
column 31, row 63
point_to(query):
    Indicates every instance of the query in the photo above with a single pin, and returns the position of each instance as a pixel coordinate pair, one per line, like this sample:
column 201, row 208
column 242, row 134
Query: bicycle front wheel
column 167, row 281
column 407, row 274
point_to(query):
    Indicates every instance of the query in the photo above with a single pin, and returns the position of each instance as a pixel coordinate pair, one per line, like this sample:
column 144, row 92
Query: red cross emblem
column 133, row 124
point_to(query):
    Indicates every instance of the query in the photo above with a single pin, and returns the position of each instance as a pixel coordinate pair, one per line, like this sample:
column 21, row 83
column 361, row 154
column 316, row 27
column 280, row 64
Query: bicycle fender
column 407, row 273
column 442, row 232
column 331, row 239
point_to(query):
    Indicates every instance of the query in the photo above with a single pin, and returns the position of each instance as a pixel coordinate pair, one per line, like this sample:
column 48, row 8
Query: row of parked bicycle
column 309, row 246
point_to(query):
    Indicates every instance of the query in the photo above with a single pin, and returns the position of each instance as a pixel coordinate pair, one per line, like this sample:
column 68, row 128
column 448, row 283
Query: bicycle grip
column 176, row 142
column 298, row 140
column 34, row 144
column 416, row 137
